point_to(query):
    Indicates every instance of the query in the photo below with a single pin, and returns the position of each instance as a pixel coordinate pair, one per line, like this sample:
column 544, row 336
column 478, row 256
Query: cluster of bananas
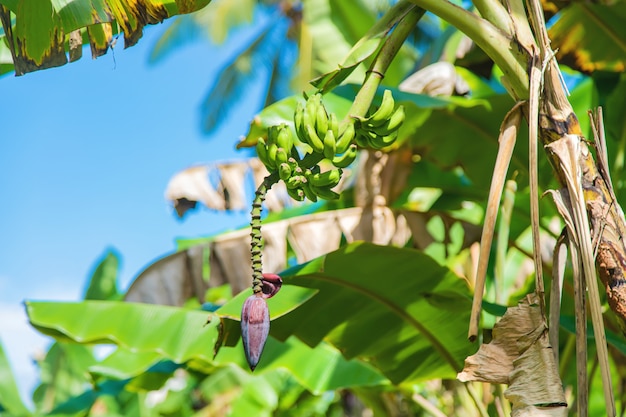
column 302, row 176
column 380, row 128
column 319, row 132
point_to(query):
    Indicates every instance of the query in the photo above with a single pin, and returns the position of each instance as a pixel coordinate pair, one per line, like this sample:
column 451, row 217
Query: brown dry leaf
column 232, row 253
column 193, row 185
column 520, row 350
column 275, row 199
column 232, row 180
column 377, row 225
column 177, row 277
column 190, row 186
column 438, row 79
column 171, row 280
column 314, row 236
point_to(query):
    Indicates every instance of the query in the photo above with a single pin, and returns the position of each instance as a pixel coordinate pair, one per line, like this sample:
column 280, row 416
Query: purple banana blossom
column 255, row 319
column 271, row 285
column 255, row 326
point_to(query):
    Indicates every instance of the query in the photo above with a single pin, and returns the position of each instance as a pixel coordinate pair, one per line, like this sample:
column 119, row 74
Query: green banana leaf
column 395, row 308
column 10, row 401
column 155, row 333
column 103, row 282
column 582, row 27
column 282, row 112
column 63, row 374
column 353, row 20
column 37, row 32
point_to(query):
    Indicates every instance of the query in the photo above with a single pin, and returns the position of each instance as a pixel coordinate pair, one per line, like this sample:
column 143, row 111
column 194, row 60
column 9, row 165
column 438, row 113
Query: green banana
column 308, row 192
column 321, row 119
column 310, row 110
column 393, row 123
column 272, row 133
column 345, row 139
column 333, row 124
column 362, row 140
column 342, row 161
column 379, row 142
column 271, row 155
column 281, row 156
column 313, row 139
column 296, row 193
column 261, row 151
column 284, row 171
column 325, row 193
column 295, row 181
column 284, row 138
column 326, row 179
column 298, row 121
column 385, row 110
column 329, row 145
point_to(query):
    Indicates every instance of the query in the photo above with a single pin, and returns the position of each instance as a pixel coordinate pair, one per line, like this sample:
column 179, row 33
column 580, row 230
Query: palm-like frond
column 253, row 65
column 212, row 23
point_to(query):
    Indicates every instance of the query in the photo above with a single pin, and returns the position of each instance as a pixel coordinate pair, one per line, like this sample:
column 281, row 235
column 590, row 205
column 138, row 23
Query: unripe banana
column 293, row 164
column 329, row 145
column 342, row 161
column 362, row 140
column 321, row 120
column 345, row 139
column 298, row 121
column 389, row 139
column 308, row 192
column 295, row 181
column 327, row 179
column 281, row 156
column 393, row 124
column 313, row 139
column 261, row 151
column 284, row 171
column 296, row 193
column 325, row 193
column 385, row 110
column 271, row 156
column 284, row 138
column 272, row 134
column 333, row 124
column 379, row 142
column 310, row 109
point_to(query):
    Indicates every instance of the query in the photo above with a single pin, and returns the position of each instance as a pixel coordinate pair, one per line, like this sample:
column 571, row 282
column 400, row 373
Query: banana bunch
column 322, row 137
column 311, row 183
column 319, row 131
column 380, row 129
column 302, row 176
column 277, row 149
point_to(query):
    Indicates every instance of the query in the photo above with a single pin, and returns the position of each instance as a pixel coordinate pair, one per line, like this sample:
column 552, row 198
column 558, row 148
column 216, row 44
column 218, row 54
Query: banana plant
column 304, row 154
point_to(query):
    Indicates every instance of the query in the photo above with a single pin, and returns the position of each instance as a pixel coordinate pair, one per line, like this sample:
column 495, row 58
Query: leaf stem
column 385, row 56
column 256, row 244
column 500, row 47
column 495, row 12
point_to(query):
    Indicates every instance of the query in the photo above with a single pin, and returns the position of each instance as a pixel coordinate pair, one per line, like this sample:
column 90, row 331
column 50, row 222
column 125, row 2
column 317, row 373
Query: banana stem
column 496, row 13
column 385, row 56
column 256, row 244
column 498, row 45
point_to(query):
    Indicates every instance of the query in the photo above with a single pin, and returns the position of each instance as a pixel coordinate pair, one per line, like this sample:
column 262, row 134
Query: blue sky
column 86, row 151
